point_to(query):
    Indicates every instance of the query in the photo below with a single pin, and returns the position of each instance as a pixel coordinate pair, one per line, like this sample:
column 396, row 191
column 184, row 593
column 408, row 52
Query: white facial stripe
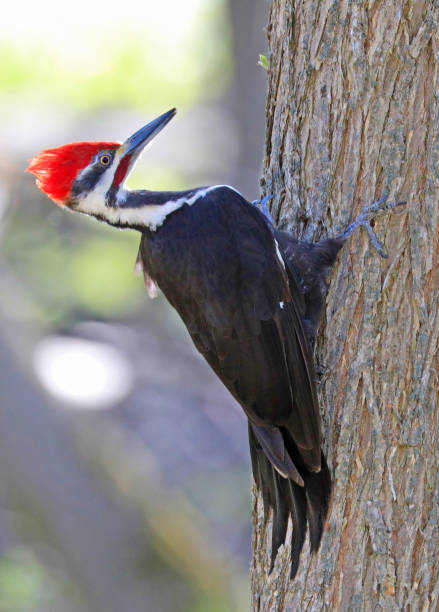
column 94, row 202
column 151, row 215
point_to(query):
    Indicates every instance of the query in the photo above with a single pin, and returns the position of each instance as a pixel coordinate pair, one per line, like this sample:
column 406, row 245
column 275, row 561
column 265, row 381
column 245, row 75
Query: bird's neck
column 149, row 209
column 138, row 198
column 143, row 209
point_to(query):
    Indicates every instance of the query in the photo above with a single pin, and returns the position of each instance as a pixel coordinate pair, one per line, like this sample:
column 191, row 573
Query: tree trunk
column 352, row 114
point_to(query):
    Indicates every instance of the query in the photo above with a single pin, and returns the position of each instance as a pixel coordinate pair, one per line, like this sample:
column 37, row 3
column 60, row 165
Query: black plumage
column 252, row 313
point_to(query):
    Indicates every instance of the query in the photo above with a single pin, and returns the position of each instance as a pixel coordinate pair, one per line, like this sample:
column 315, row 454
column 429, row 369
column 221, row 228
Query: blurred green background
column 144, row 413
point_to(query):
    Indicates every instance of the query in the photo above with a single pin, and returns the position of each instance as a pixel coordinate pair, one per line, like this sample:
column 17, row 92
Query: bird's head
column 87, row 176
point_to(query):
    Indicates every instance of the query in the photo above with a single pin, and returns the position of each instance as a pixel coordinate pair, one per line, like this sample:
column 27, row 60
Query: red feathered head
column 56, row 169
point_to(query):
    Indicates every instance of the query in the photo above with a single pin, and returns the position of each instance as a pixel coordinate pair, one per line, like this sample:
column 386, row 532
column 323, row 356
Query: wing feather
column 219, row 267
column 218, row 264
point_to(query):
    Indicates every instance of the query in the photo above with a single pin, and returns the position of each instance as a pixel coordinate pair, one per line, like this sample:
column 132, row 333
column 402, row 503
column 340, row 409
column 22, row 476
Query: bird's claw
column 380, row 207
column 374, row 240
column 262, row 204
column 376, row 209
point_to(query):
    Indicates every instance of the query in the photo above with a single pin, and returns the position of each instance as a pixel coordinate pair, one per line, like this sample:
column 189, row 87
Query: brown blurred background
column 124, row 463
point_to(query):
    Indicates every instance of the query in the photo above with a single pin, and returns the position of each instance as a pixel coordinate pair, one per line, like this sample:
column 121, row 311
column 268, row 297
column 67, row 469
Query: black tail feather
column 298, row 515
column 308, row 504
column 262, row 473
column 318, row 490
column 281, row 512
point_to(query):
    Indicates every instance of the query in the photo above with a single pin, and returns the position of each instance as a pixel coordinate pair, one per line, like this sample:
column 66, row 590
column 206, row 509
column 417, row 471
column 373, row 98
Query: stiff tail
column 317, row 492
column 307, row 504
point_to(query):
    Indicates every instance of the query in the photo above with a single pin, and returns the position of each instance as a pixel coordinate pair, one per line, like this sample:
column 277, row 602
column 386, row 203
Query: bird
column 250, row 296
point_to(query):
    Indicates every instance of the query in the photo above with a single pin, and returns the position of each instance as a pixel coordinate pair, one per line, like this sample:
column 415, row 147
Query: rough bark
column 353, row 113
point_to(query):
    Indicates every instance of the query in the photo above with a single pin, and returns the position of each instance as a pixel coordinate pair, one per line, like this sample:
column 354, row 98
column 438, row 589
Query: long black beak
column 135, row 143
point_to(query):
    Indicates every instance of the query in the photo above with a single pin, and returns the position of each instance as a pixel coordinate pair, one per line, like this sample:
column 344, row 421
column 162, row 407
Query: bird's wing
column 218, row 265
column 242, row 310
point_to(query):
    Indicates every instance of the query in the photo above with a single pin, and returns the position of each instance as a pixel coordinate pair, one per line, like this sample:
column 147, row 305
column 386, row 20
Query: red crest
column 56, row 169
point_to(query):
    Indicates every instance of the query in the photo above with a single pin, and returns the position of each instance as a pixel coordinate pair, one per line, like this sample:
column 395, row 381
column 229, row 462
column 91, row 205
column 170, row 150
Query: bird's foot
column 262, row 204
column 378, row 208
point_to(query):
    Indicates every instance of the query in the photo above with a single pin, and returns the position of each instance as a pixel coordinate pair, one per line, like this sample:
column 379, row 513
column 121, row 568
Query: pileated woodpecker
column 250, row 296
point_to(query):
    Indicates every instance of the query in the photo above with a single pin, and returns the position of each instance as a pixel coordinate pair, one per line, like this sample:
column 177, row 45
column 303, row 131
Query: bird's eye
column 105, row 160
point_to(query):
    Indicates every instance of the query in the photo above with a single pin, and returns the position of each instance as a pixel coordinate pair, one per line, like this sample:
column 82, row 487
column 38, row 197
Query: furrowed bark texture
column 352, row 114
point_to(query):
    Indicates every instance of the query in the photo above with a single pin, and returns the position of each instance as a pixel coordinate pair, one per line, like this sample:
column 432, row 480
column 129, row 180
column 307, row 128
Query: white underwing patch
column 151, row 286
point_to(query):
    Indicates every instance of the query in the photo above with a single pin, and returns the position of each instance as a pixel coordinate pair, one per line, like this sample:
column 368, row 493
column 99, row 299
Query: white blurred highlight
column 82, row 373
